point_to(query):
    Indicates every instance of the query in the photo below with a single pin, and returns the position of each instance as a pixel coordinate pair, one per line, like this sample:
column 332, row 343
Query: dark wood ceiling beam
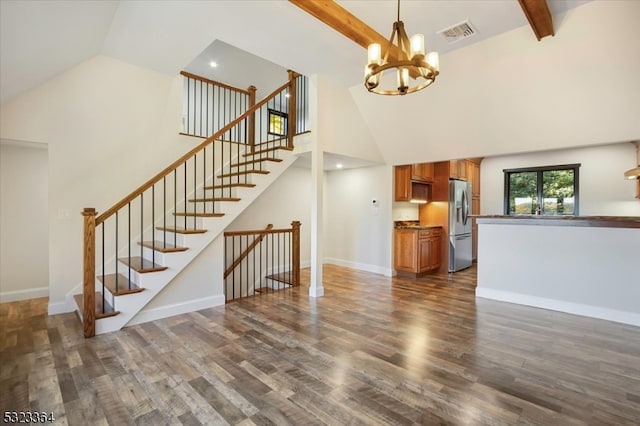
column 539, row 17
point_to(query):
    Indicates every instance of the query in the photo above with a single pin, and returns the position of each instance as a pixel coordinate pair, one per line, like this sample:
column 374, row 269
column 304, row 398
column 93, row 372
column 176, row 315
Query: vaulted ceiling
column 40, row 39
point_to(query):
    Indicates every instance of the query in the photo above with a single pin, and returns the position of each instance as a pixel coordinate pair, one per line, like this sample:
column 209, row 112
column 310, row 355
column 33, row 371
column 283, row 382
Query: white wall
column 199, row 286
column 24, row 225
column 603, row 189
column 285, row 200
column 511, row 93
column 109, row 127
column 340, row 127
column 580, row 270
column 357, row 234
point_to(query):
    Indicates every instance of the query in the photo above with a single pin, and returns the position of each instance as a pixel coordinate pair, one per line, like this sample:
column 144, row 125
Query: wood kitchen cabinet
column 407, row 188
column 417, row 251
column 422, row 172
column 458, row 169
column 403, row 183
column 473, row 175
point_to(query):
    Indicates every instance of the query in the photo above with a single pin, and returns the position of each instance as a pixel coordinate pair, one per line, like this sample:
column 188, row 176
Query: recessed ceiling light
column 213, row 64
column 339, row 166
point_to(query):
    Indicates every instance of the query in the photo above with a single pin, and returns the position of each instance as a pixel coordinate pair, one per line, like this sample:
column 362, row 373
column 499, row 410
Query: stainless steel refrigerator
column 460, row 241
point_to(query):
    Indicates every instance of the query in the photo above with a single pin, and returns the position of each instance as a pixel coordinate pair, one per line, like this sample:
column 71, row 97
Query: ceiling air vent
column 458, row 32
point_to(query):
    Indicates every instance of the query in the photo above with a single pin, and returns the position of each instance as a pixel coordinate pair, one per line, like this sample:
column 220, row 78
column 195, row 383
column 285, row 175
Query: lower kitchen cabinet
column 417, row 251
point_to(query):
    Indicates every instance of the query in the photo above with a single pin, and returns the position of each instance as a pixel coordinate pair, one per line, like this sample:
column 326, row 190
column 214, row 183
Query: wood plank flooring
column 373, row 351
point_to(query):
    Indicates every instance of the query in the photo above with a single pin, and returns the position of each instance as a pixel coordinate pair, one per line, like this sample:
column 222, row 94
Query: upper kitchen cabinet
column 458, row 169
column 422, row 172
column 409, row 189
column 403, row 183
column 454, row 169
column 473, row 176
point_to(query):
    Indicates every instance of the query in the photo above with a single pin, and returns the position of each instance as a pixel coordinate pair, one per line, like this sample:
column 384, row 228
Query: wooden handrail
column 217, row 83
column 248, row 249
column 256, row 231
column 295, row 247
column 167, row 170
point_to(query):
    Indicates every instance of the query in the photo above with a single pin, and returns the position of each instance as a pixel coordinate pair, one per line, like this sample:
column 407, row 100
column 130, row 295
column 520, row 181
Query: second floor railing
column 208, row 105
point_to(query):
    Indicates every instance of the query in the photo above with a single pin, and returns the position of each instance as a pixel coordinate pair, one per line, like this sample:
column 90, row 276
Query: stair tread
column 244, row 172
column 142, row 265
column 283, row 277
column 231, row 185
column 124, row 286
column 202, row 200
column 162, row 247
column 179, row 230
column 256, row 160
column 197, row 214
column 275, row 148
column 269, row 289
column 109, row 311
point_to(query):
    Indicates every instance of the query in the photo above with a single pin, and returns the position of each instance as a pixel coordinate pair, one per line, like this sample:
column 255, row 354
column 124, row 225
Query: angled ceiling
column 40, row 39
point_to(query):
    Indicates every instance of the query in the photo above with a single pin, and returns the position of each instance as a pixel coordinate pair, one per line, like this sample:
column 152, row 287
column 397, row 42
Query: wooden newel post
column 251, row 137
column 292, row 120
column 89, row 267
column 295, row 257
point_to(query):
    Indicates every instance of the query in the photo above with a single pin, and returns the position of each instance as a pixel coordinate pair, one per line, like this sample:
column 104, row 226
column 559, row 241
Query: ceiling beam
column 332, row 14
column 539, row 17
column 341, row 20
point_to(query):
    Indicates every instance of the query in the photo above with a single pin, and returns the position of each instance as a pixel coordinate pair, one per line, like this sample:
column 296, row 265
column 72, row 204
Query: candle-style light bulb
column 417, row 45
column 375, row 54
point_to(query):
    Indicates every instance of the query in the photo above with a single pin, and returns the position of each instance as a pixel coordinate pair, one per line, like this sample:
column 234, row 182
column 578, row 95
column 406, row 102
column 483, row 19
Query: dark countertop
column 586, row 221
column 412, row 224
column 417, row 226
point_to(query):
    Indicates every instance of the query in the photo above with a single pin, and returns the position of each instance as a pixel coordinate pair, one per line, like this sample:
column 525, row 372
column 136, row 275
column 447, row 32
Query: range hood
column 635, row 172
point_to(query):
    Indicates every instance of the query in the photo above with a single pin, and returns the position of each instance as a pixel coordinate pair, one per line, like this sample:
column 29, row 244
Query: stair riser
column 180, row 221
column 160, row 258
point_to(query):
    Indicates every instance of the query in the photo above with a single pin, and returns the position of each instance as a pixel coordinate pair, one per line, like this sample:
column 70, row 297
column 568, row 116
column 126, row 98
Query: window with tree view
column 542, row 190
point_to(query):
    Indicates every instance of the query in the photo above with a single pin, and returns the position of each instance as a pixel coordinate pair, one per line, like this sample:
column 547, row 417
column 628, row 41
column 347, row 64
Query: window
column 277, row 123
column 548, row 191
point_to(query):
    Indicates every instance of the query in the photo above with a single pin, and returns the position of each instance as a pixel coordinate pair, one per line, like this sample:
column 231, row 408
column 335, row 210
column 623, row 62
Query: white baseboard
column 387, row 272
column 166, row 311
column 30, row 293
column 561, row 306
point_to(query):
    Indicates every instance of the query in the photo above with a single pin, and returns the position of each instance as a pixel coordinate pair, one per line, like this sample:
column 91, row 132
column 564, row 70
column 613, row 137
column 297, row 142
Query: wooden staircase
column 124, row 282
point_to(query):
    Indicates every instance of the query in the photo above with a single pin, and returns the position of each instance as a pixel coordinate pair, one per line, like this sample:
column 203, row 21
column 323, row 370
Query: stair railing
column 174, row 201
column 208, row 104
column 261, row 260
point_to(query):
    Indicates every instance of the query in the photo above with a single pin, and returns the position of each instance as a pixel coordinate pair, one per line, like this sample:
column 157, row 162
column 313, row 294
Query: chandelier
column 414, row 69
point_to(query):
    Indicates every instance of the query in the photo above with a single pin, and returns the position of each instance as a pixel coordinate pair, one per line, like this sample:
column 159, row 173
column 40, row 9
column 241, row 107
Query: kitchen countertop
column 587, row 221
column 417, row 226
column 412, row 224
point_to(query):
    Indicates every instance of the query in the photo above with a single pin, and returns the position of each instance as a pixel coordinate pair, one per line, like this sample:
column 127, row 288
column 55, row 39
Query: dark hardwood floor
column 374, row 350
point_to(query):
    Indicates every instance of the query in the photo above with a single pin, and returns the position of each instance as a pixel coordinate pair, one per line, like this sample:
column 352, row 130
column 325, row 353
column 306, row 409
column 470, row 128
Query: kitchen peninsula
column 585, row 265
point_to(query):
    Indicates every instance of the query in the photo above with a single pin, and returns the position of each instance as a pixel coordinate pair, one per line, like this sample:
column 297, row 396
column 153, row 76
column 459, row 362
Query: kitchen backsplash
column 405, row 211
